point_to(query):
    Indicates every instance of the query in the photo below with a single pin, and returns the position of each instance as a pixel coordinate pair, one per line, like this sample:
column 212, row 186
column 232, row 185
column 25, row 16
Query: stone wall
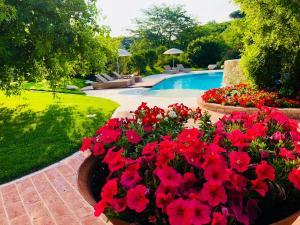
column 293, row 113
column 233, row 73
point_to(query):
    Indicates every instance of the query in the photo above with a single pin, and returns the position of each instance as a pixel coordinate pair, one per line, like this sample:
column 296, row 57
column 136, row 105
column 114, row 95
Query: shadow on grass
column 32, row 140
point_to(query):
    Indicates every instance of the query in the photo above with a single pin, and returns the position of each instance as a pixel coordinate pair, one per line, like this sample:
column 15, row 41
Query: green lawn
column 44, row 86
column 37, row 130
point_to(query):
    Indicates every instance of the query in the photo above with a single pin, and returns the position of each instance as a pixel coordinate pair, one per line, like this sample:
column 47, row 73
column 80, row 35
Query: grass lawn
column 37, row 130
column 44, row 86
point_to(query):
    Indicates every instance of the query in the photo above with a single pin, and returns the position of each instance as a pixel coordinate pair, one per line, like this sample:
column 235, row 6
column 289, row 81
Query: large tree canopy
column 162, row 25
column 272, row 44
column 51, row 40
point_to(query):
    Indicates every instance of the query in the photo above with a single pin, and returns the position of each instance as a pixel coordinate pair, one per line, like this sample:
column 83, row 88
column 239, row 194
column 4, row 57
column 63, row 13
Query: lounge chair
column 181, row 68
column 131, row 76
column 102, row 83
column 169, row 70
column 212, row 66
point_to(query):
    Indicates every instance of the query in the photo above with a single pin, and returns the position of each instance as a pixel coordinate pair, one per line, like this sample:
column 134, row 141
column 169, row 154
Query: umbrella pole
column 118, row 65
column 173, row 62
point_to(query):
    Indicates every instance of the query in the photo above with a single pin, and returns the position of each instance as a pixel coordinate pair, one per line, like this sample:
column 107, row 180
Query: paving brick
column 10, row 194
column 24, row 220
column 14, row 210
column 44, row 221
column 92, row 220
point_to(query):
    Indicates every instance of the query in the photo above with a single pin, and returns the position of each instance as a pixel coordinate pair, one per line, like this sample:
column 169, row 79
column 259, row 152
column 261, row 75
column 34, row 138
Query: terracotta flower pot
column 85, row 174
column 84, row 179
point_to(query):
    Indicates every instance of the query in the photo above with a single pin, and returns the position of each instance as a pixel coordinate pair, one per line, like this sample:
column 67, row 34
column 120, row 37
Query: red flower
column 86, row 144
column 201, row 212
column 98, row 149
column 286, row 154
column 260, row 186
column 219, row 219
column 189, row 184
column 214, row 193
column 265, row 171
column 257, row 130
column 215, row 173
column 169, row 176
column 108, row 135
column 179, row 212
column 133, row 137
column 130, row 178
column 164, row 157
column 189, row 135
column 239, row 161
column 114, row 160
column 119, row 204
column 149, row 149
column 163, row 200
column 294, row 177
column 99, row 208
column 136, row 199
column 109, row 190
column 238, row 139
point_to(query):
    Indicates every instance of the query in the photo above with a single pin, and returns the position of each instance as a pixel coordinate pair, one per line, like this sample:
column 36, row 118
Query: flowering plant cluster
column 162, row 172
column 246, row 96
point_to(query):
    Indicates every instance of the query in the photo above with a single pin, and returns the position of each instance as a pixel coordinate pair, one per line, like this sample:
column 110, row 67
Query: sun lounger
column 181, row 68
column 212, row 66
column 102, row 83
column 131, row 76
column 169, row 70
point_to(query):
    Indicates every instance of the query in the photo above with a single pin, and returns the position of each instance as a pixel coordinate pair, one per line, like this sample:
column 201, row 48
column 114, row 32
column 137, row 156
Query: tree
column 161, row 25
column 51, row 40
column 238, row 14
column 272, row 49
column 205, row 51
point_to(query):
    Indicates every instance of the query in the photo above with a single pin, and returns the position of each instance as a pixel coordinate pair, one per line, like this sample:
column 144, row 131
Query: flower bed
column 238, row 170
column 245, row 96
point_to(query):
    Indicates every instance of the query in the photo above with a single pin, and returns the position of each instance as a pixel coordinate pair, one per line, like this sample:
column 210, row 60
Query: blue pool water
column 201, row 81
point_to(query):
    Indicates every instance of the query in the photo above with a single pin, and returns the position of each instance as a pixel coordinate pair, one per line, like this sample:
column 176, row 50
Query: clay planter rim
column 85, row 172
column 84, row 176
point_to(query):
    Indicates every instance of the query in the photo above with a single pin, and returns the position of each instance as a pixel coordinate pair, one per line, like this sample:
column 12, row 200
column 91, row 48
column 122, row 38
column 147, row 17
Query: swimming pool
column 188, row 84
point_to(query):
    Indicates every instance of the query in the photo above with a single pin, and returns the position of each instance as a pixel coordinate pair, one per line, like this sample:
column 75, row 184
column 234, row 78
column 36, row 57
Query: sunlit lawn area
column 44, row 86
column 37, row 130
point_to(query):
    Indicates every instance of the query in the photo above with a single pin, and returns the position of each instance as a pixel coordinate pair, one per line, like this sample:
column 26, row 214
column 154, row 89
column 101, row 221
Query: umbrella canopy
column 173, row 51
column 123, row 52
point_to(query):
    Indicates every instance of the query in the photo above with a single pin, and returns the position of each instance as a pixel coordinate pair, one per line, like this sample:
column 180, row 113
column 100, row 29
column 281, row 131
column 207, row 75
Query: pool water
column 189, row 84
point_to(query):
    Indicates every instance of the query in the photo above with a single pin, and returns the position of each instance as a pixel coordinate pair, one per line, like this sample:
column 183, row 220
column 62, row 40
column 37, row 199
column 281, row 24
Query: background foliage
column 272, row 44
column 52, row 40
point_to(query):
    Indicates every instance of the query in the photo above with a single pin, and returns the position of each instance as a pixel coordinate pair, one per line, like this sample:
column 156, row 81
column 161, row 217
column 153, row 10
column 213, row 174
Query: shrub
column 246, row 96
column 164, row 173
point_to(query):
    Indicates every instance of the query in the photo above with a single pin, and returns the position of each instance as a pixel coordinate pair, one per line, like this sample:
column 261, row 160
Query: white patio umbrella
column 173, row 51
column 122, row 53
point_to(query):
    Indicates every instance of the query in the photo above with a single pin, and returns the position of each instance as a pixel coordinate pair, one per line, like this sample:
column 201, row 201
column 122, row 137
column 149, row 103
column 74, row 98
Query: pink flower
column 169, row 176
column 260, row 186
column 119, row 204
column 163, row 200
column 109, row 190
column 201, row 212
column 86, row 144
column 108, row 135
column 219, row 219
column 133, row 137
column 294, row 177
column 136, row 199
column 130, row 178
column 214, row 193
column 265, row 171
column 114, row 160
column 215, row 173
column 239, row 161
column 98, row 149
column 99, row 208
column 179, row 212
column 286, row 154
